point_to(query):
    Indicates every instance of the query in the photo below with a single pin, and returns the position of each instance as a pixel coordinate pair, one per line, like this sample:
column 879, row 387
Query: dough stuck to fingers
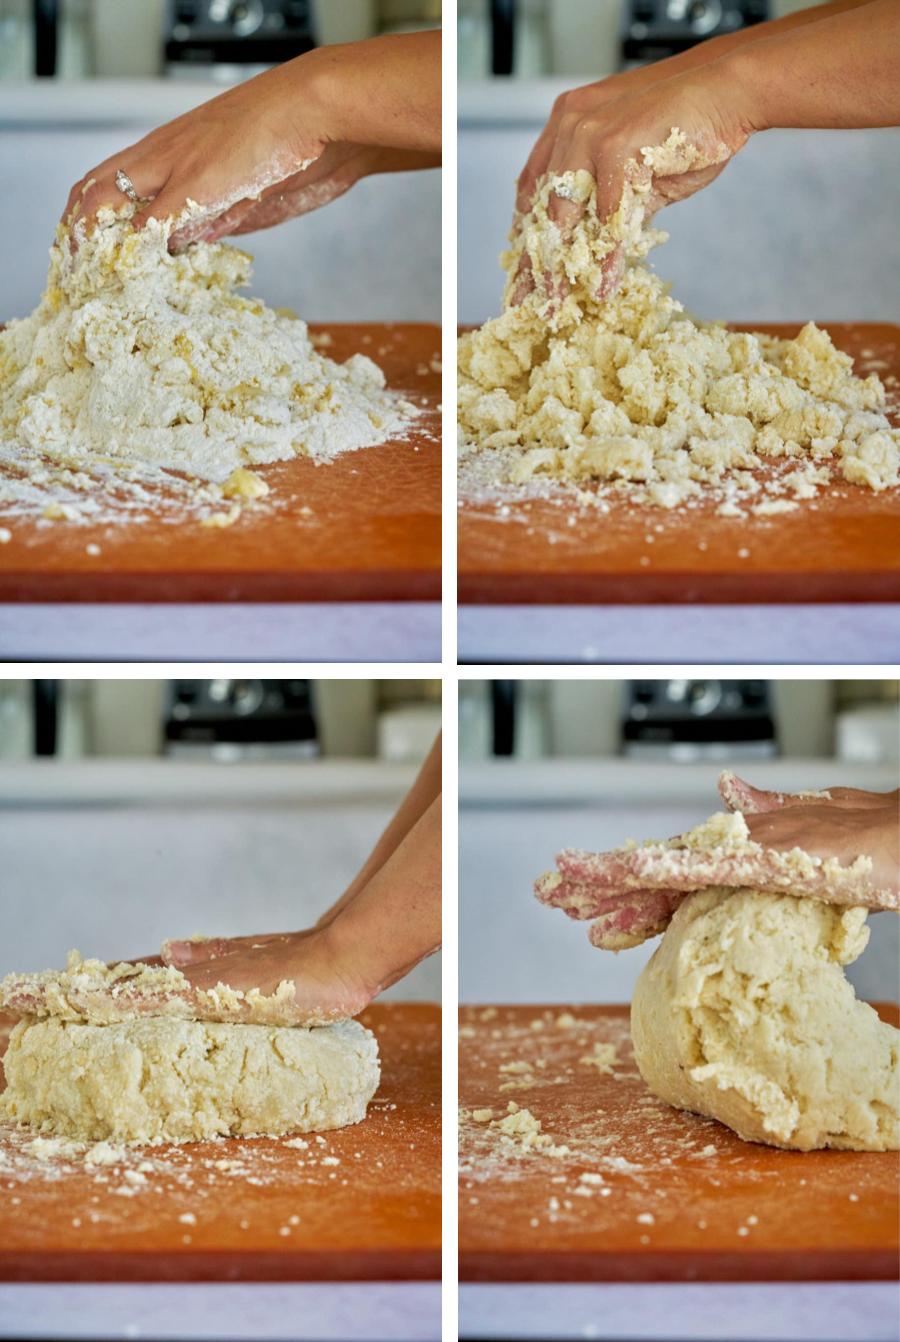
column 118, row 1053
column 95, row 993
column 634, row 890
column 744, row 1014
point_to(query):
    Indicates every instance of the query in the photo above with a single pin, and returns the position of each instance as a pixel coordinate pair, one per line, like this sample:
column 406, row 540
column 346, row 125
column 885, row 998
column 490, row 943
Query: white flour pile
column 630, row 396
column 143, row 380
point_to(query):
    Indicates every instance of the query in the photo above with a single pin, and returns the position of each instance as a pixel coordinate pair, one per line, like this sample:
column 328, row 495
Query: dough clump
column 157, row 1080
column 631, row 395
column 744, row 1014
column 148, row 374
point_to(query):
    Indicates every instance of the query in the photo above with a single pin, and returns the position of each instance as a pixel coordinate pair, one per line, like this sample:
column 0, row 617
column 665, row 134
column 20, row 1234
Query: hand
column 633, row 893
column 603, row 129
column 286, row 142
column 339, row 167
column 329, row 975
column 838, row 823
column 230, row 149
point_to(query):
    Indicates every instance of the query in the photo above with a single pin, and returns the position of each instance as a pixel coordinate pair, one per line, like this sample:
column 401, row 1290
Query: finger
column 20, row 1000
column 739, row 795
column 564, row 212
column 583, row 899
column 211, row 229
column 523, row 284
column 194, row 950
column 636, row 919
column 169, row 203
column 535, row 168
column 75, row 195
column 590, row 877
column 612, row 271
column 198, row 950
column 102, row 192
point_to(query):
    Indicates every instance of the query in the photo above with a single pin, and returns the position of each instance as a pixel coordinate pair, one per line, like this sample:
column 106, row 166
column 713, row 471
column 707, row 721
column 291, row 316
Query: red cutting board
column 819, row 1215
column 368, row 1197
column 373, row 532
column 847, row 548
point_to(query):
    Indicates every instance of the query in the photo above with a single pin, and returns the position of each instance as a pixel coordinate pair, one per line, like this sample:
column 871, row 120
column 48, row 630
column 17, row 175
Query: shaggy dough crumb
column 147, row 374
column 632, row 393
column 744, row 1014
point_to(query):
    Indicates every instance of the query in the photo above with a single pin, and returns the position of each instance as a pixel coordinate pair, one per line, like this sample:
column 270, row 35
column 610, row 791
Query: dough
column 165, row 1080
column 633, row 394
column 744, row 1014
column 140, row 368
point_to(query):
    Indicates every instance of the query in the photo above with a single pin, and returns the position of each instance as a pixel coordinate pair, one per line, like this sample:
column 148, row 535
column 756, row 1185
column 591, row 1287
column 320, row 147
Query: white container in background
column 16, row 732
column 406, row 734
column 869, row 734
column 128, row 37
column 343, row 20
column 584, row 39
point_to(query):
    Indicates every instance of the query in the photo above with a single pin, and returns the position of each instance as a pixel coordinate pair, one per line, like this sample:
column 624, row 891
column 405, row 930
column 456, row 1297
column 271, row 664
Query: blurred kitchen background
column 546, row 765
column 770, row 240
column 81, row 79
column 135, row 810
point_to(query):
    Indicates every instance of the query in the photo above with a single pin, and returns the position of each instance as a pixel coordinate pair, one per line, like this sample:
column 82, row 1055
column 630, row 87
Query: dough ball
column 744, row 1014
column 154, row 1079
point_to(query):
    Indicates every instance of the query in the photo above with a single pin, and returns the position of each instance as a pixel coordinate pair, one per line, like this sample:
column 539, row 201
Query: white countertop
column 755, row 1312
column 399, row 631
column 100, row 102
column 172, row 782
column 681, row 635
column 509, row 102
column 630, row 783
column 307, row 1312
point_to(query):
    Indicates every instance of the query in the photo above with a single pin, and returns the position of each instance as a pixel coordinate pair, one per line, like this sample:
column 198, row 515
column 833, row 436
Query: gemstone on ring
column 126, row 185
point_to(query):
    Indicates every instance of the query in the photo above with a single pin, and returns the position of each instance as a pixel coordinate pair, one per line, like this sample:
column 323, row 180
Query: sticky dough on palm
column 744, row 1014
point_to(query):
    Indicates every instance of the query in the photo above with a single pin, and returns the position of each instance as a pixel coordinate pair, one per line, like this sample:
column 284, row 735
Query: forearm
column 420, row 797
column 386, row 91
column 716, row 47
column 842, row 72
column 396, row 919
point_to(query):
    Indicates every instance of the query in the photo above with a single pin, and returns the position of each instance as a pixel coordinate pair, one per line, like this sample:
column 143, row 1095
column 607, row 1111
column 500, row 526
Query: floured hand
column 286, row 142
column 327, row 982
column 615, row 132
column 840, row 848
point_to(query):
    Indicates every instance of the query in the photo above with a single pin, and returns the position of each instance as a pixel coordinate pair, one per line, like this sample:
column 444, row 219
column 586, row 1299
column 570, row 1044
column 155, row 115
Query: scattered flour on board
column 580, row 400
column 631, row 1161
column 144, row 383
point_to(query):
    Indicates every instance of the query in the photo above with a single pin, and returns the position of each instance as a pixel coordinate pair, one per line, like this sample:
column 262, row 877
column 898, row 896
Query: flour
column 143, row 380
column 630, row 396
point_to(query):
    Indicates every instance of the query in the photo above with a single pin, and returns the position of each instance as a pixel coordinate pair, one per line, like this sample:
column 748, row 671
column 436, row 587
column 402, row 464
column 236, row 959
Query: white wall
column 116, row 880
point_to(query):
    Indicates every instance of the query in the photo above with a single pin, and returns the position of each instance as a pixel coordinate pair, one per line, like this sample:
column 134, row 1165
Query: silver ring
column 126, row 186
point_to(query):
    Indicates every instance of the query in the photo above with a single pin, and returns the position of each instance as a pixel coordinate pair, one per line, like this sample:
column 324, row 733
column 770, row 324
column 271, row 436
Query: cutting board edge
column 52, row 588
column 222, row 1265
column 589, row 589
column 716, row 1266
